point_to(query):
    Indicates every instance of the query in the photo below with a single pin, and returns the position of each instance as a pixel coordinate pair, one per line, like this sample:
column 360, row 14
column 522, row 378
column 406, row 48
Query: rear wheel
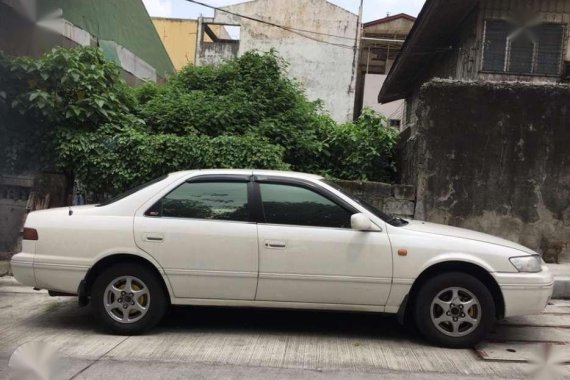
column 454, row 310
column 129, row 298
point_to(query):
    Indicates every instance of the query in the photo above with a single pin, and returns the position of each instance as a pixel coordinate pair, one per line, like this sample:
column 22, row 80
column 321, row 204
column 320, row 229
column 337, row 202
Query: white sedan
column 275, row 239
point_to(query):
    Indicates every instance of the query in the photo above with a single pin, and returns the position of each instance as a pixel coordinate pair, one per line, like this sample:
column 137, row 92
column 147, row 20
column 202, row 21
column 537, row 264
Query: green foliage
column 71, row 109
column 67, row 87
column 114, row 158
column 363, row 150
column 246, row 95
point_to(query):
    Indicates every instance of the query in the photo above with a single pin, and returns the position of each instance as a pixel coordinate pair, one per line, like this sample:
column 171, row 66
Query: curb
column 561, row 287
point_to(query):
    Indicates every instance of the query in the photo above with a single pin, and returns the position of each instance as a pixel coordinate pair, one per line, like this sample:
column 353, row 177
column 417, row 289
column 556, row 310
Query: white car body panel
column 202, row 258
column 324, row 265
column 206, row 262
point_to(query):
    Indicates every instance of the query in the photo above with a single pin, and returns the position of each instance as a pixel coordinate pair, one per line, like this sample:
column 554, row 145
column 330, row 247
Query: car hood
column 440, row 229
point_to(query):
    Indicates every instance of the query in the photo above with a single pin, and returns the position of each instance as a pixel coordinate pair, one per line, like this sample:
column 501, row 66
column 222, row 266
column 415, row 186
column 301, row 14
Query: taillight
column 29, row 234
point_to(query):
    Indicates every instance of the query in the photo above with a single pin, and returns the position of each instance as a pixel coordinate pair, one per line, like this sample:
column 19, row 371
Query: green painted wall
column 125, row 22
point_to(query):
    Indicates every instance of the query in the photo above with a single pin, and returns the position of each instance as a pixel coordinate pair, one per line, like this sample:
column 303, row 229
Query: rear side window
column 205, row 200
column 131, row 191
column 294, row 205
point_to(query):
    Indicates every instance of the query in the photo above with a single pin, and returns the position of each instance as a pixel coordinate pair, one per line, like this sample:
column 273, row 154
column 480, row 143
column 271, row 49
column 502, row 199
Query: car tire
column 454, row 310
column 129, row 298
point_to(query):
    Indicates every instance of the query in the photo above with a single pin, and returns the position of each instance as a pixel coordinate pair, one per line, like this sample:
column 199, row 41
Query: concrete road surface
column 225, row 343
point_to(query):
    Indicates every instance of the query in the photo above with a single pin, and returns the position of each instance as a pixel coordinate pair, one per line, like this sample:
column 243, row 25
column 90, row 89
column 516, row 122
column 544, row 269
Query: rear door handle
column 275, row 244
column 153, row 237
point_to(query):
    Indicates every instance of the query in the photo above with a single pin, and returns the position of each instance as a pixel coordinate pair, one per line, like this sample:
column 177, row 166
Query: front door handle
column 275, row 244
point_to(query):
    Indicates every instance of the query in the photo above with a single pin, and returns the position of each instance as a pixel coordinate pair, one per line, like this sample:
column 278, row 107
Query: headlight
column 529, row 264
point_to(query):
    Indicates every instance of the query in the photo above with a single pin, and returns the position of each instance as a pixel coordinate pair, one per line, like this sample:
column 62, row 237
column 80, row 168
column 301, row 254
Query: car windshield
column 131, row 191
column 391, row 219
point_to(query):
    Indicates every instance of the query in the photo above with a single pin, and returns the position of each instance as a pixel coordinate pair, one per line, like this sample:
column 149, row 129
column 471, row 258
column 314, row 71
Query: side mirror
column 360, row 222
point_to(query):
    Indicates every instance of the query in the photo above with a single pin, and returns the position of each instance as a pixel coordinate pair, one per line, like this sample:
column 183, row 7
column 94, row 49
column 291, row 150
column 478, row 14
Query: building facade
column 487, row 122
column 380, row 44
column 318, row 41
column 179, row 39
column 482, row 40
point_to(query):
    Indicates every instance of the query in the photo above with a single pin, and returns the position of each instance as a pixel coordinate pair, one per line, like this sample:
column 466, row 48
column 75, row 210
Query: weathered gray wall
column 397, row 200
column 324, row 68
column 494, row 157
column 215, row 53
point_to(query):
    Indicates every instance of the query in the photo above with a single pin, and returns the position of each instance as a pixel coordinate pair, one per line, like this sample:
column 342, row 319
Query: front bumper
column 22, row 266
column 525, row 293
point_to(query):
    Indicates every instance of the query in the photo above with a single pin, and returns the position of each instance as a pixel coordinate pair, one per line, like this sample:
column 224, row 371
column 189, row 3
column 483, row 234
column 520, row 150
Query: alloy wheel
column 126, row 299
column 455, row 312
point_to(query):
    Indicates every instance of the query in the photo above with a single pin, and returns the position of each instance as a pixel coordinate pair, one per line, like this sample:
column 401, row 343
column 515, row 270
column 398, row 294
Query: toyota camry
column 254, row 238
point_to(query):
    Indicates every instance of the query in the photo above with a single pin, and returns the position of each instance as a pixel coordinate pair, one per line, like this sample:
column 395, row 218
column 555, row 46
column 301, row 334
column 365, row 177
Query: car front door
column 310, row 254
column 202, row 235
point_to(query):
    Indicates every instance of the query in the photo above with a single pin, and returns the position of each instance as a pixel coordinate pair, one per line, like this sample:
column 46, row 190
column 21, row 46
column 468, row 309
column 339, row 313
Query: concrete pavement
column 194, row 342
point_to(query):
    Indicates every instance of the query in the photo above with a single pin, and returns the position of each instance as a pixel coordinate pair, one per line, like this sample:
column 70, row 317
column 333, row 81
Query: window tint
column 206, row 200
column 293, row 205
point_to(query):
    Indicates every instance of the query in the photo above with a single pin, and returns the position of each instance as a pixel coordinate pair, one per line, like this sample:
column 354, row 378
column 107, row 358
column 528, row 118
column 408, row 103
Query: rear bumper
column 525, row 293
column 22, row 266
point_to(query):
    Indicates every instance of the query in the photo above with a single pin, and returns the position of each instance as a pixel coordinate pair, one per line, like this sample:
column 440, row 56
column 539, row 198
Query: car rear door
column 310, row 254
column 203, row 236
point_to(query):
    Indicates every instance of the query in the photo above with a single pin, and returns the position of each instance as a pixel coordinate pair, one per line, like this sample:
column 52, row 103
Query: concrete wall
column 214, row 53
column 494, row 157
column 397, row 200
column 325, row 70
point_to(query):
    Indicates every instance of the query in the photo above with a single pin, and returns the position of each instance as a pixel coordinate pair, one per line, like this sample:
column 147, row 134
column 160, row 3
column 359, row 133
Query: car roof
column 277, row 173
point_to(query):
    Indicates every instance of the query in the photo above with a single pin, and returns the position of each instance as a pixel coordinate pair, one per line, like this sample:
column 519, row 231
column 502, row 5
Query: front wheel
column 128, row 298
column 454, row 310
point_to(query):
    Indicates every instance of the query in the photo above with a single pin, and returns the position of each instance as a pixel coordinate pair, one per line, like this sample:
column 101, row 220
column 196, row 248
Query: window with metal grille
column 533, row 49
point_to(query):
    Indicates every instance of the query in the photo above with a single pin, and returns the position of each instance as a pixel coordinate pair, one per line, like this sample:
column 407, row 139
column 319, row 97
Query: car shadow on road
column 65, row 314
column 281, row 321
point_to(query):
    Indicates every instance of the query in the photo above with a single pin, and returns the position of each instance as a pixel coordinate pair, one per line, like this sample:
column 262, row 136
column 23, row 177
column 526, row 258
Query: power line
column 296, row 31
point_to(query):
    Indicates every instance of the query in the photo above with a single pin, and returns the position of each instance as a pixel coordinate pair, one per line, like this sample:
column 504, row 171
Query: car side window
column 295, row 205
column 205, row 200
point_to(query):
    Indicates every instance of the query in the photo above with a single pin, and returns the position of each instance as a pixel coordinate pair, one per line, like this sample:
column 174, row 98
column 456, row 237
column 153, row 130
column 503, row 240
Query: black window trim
column 302, row 183
column 212, row 178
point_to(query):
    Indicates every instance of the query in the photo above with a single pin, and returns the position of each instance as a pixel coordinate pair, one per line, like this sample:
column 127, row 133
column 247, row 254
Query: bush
column 113, row 159
column 363, row 150
column 71, row 109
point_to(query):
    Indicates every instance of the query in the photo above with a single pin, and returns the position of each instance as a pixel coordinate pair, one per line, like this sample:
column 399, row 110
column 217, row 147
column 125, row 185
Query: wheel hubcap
column 455, row 312
column 127, row 299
